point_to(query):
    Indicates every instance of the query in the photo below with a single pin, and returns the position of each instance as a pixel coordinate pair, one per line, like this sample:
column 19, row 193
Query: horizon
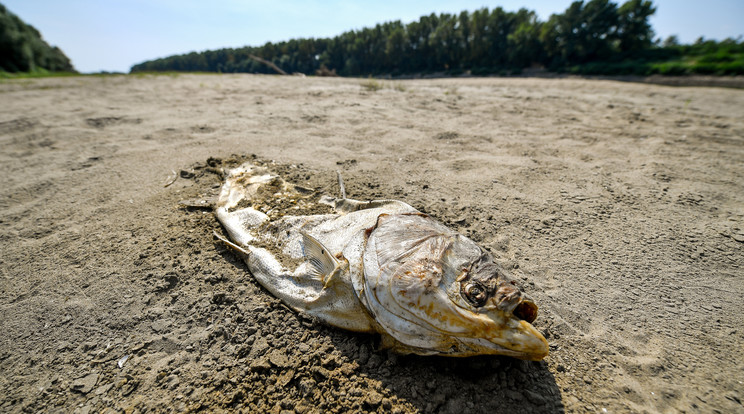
column 114, row 36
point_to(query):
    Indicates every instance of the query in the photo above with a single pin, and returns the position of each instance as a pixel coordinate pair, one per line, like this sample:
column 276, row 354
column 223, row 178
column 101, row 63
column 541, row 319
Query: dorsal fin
column 322, row 262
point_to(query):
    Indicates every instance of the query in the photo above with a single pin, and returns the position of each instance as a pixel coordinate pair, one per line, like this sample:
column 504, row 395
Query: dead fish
column 376, row 266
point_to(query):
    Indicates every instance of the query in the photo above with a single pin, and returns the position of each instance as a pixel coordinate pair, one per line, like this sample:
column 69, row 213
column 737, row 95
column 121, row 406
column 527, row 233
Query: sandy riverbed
column 619, row 205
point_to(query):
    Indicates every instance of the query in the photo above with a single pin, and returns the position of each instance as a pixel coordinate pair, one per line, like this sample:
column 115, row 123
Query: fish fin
column 322, row 263
column 406, row 235
column 231, row 244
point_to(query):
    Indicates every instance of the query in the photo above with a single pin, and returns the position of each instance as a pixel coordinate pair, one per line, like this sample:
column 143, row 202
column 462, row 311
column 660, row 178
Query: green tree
column 395, row 48
column 671, row 41
column 22, row 48
column 524, row 46
column 581, row 34
column 633, row 29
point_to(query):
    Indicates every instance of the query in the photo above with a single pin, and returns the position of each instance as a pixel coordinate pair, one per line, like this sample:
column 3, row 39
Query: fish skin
column 389, row 269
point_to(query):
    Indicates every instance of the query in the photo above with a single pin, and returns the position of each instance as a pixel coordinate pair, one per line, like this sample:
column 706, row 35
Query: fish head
column 434, row 291
column 499, row 313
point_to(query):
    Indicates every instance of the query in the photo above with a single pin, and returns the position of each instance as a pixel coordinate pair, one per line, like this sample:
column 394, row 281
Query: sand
column 619, row 205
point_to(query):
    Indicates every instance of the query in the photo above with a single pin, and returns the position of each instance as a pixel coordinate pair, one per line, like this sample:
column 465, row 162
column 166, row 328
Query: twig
column 267, row 63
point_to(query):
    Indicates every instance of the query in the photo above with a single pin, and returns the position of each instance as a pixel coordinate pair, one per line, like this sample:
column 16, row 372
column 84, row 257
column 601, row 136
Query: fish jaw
column 500, row 333
column 537, row 346
column 521, row 340
column 517, row 340
column 495, row 333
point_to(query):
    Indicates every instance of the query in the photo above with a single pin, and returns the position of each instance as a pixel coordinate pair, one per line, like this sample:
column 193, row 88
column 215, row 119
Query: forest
column 22, row 48
column 593, row 37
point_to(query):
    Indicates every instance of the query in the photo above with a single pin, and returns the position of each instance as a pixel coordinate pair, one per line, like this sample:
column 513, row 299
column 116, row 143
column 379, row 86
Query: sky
column 113, row 35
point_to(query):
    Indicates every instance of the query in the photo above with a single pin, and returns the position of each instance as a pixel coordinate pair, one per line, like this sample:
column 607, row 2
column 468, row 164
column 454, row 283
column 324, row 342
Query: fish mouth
column 526, row 310
column 534, row 343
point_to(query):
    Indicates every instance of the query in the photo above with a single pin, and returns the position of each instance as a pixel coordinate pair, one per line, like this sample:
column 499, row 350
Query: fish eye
column 475, row 294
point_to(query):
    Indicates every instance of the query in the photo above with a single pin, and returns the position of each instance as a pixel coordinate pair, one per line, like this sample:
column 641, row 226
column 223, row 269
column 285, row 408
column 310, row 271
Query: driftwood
column 266, row 62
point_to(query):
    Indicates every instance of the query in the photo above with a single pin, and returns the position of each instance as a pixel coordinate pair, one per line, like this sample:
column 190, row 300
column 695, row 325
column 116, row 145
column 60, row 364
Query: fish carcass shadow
column 494, row 384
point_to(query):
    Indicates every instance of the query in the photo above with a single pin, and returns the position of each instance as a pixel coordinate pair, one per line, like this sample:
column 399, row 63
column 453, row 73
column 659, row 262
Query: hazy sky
column 113, row 35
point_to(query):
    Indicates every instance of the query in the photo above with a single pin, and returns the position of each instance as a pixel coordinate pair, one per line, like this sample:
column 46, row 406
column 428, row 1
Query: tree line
column 22, row 48
column 482, row 41
column 593, row 37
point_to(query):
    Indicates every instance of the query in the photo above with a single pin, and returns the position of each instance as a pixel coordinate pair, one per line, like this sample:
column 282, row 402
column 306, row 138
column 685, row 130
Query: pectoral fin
column 322, row 264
